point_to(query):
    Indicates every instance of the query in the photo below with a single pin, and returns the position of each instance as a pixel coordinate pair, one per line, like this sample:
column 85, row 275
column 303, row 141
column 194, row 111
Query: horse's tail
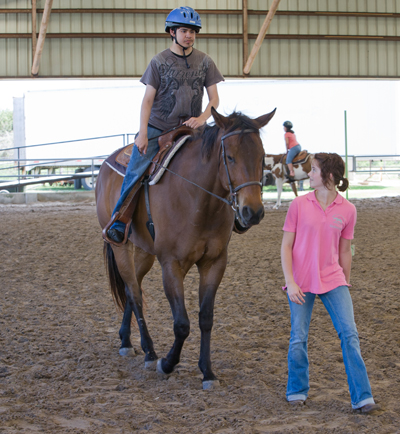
column 117, row 285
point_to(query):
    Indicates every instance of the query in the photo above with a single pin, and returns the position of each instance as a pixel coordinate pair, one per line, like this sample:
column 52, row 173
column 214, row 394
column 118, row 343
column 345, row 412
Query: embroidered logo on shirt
column 338, row 222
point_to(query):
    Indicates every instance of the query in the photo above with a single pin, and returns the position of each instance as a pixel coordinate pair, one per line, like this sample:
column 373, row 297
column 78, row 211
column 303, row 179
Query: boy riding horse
column 175, row 80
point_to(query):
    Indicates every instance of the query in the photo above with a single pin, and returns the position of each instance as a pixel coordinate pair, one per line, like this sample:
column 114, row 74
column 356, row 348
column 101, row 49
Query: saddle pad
column 160, row 168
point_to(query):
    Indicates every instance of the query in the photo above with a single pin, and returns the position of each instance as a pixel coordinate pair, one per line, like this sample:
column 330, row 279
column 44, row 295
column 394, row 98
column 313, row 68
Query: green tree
column 6, row 121
column 6, row 132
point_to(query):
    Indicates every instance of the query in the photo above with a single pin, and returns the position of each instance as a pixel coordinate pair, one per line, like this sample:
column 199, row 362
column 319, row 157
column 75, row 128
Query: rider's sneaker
column 115, row 235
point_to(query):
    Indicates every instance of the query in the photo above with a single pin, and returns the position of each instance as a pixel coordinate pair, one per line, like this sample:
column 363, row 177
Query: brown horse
column 275, row 164
column 211, row 183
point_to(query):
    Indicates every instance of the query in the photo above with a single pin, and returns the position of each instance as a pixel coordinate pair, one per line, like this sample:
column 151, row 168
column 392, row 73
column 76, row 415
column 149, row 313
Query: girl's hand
column 295, row 294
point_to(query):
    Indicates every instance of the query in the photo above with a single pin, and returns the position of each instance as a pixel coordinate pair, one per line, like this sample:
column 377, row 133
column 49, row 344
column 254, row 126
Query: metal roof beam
column 203, row 36
column 210, row 12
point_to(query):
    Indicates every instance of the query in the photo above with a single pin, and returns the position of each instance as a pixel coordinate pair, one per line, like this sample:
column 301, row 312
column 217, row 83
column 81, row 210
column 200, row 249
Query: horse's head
column 241, row 165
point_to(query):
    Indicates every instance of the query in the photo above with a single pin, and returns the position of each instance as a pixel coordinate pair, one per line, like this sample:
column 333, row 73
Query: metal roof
column 117, row 38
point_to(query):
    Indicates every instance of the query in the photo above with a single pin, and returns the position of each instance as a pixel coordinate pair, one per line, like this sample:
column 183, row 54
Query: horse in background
column 275, row 164
column 212, row 186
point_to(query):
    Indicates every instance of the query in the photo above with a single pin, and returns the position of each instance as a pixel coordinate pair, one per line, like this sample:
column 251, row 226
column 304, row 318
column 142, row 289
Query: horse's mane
column 209, row 134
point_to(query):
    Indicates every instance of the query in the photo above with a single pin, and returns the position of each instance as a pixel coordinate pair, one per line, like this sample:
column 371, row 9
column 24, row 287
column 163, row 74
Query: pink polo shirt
column 315, row 254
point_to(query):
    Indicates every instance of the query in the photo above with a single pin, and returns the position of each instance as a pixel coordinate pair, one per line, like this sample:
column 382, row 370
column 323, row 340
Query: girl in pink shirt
column 316, row 260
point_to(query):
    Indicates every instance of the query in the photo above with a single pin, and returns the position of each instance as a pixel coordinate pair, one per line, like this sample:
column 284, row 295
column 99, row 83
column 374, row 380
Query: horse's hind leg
column 294, row 188
column 126, row 348
column 143, row 263
column 211, row 273
column 132, row 270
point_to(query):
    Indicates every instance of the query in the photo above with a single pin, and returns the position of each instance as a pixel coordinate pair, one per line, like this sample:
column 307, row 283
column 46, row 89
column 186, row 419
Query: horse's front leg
column 279, row 187
column 173, row 286
column 211, row 273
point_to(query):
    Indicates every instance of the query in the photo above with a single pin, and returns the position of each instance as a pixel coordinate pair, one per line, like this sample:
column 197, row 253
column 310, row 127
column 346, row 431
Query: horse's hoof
column 275, row 207
column 130, row 352
column 160, row 369
column 210, row 384
column 150, row 365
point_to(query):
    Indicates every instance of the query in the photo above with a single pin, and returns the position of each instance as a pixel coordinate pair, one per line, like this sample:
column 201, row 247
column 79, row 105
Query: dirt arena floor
column 60, row 371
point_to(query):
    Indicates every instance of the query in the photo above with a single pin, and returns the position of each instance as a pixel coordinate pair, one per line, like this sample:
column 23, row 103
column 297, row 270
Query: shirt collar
column 338, row 198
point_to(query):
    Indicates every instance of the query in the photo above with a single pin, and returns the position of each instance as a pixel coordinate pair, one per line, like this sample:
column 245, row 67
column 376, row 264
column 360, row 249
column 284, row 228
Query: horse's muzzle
column 251, row 217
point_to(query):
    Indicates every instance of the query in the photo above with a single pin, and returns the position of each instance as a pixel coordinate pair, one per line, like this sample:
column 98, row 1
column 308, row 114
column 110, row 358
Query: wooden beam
column 34, row 41
column 245, row 31
column 261, row 36
column 42, row 37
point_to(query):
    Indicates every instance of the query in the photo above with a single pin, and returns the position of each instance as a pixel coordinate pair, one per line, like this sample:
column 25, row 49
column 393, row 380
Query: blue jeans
column 339, row 305
column 292, row 153
column 138, row 164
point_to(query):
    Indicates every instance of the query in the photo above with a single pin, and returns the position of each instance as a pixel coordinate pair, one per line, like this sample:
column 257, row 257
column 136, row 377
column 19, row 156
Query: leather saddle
column 300, row 158
column 166, row 142
column 119, row 162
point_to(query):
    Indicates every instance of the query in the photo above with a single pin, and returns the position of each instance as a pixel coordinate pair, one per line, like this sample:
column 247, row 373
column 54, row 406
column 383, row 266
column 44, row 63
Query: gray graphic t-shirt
column 179, row 89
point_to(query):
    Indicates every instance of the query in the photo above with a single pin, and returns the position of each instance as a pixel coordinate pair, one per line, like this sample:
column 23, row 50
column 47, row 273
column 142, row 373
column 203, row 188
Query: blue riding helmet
column 183, row 17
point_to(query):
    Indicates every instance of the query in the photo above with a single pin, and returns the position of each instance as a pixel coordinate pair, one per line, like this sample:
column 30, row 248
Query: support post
column 261, row 36
column 34, row 41
column 42, row 37
column 245, row 25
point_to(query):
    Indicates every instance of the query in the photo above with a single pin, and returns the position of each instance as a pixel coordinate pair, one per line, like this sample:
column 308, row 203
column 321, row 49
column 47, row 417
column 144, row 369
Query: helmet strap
column 183, row 48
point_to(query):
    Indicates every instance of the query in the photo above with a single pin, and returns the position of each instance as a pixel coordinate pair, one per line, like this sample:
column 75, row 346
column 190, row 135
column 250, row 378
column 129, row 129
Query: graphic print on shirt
column 338, row 222
column 183, row 86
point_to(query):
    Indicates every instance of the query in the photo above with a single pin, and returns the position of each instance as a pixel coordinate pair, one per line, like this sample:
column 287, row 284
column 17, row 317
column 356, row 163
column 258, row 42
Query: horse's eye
column 231, row 159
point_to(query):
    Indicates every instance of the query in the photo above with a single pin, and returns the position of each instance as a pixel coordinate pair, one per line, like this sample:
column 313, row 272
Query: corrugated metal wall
column 306, row 38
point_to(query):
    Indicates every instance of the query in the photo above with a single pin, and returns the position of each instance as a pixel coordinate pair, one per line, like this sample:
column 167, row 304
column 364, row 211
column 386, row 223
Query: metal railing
column 24, row 171
column 374, row 163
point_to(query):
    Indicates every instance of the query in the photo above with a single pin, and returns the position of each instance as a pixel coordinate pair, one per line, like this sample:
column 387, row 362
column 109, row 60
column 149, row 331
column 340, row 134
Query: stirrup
column 107, row 227
column 290, row 178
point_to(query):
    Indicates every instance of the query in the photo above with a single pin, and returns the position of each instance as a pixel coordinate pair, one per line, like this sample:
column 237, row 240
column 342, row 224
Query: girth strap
column 149, row 223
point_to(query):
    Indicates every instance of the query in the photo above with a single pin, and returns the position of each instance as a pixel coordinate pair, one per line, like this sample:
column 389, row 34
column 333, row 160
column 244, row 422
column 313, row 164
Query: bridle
column 233, row 203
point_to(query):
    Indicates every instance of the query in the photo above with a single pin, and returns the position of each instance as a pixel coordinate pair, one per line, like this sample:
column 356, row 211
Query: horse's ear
column 263, row 120
column 220, row 121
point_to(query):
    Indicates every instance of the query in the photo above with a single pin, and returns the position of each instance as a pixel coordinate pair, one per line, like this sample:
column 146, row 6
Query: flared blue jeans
column 339, row 305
